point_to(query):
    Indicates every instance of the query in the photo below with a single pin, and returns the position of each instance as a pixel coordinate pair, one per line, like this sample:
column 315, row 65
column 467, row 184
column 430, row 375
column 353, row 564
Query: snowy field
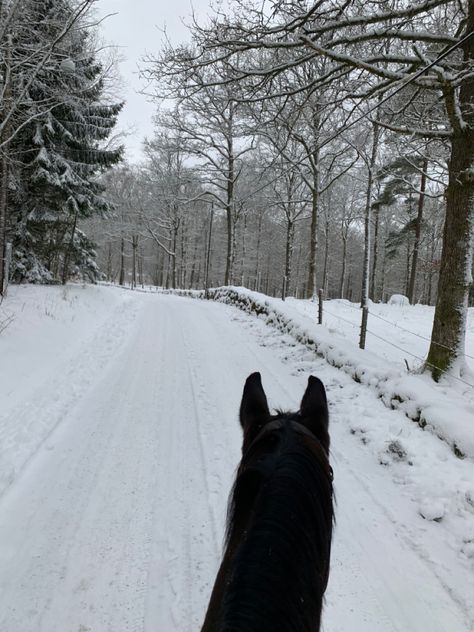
column 118, row 442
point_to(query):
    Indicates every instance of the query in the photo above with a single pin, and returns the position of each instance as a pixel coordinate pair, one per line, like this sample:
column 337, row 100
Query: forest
column 297, row 146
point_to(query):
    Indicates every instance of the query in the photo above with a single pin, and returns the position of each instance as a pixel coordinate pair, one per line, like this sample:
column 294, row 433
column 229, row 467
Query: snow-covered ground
column 54, row 347
column 399, row 333
column 446, row 409
column 118, row 442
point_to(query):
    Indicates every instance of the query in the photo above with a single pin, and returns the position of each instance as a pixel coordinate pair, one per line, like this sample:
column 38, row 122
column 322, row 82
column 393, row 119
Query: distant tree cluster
column 55, row 121
column 159, row 233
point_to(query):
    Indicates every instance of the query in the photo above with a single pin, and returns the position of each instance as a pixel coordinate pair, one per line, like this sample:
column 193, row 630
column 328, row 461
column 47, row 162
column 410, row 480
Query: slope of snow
column 116, row 520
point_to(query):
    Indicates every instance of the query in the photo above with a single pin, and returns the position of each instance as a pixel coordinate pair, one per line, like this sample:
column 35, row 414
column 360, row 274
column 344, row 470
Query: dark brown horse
column 276, row 561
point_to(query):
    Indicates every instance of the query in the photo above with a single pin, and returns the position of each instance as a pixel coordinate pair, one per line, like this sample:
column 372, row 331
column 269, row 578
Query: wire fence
column 408, row 331
column 364, row 331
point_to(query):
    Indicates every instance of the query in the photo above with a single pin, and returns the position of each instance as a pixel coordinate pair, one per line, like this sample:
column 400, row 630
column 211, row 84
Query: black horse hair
column 279, row 523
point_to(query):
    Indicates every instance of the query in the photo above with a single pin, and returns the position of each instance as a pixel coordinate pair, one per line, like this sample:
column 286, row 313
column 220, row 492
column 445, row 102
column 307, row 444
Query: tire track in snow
column 199, row 428
column 117, row 526
column 187, row 555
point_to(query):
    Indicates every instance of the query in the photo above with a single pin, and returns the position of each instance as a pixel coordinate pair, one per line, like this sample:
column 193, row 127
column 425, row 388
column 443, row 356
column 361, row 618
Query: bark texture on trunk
column 368, row 217
column 3, row 218
column 446, row 352
column 313, row 243
column 418, row 225
column 447, row 338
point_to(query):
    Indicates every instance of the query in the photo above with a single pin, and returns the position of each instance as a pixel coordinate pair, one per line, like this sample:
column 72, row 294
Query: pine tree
column 60, row 156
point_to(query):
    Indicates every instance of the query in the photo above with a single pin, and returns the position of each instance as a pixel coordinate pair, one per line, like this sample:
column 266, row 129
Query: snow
column 124, row 410
column 54, row 347
column 398, row 299
column 446, row 409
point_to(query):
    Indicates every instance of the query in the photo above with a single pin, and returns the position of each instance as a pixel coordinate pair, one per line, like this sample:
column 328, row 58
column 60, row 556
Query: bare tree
column 211, row 122
column 431, row 49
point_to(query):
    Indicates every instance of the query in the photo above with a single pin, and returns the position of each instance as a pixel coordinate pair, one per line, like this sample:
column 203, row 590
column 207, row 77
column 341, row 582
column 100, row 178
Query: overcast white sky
column 135, row 28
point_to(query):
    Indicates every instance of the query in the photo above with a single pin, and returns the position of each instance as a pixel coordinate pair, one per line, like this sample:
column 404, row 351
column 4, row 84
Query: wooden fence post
column 320, row 307
column 363, row 327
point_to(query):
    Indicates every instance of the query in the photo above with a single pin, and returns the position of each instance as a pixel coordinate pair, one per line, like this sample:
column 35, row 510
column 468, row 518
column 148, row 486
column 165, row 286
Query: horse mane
column 279, row 526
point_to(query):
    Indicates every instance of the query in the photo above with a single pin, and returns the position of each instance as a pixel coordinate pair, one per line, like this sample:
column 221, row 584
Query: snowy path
column 116, row 523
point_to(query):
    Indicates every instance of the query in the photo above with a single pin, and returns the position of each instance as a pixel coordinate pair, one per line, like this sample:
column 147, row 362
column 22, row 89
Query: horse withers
column 275, row 566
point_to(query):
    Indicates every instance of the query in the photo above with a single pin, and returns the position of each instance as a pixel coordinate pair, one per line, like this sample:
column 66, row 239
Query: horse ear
column 314, row 410
column 254, row 411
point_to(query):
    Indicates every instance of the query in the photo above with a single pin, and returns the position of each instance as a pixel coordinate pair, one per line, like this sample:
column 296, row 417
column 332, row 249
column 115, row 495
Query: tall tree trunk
column 344, row 263
column 418, row 225
column 297, row 271
column 350, row 289
column 4, row 161
column 383, row 275
column 109, row 273
column 373, row 282
column 3, row 216
column 67, row 254
column 208, row 250
column 230, row 239
column 448, row 334
column 174, row 258
column 184, row 253
column 368, row 216
column 449, row 326
column 432, row 271
column 267, row 272
column 257, row 262
column 169, row 261
column 134, row 260
column 326, row 258
column 233, row 248
column 244, row 251
column 140, row 267
column 290, row 233
column 122, row 262
column 313, row 243
column 407, row 267
column 230, row 203
column 158, row 275
column 193, row 266
column 198, row 274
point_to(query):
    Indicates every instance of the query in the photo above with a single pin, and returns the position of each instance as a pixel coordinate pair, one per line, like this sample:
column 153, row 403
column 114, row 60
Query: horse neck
column 273, row 574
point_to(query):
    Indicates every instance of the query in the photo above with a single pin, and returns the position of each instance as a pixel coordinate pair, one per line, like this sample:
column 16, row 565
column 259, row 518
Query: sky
column 135, row 28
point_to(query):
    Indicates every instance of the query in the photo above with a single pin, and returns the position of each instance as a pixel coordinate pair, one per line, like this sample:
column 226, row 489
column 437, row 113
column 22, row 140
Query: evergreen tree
column 60, row 155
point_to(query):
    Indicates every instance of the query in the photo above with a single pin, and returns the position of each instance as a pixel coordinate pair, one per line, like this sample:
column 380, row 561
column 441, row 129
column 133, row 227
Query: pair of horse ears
column 254, row 411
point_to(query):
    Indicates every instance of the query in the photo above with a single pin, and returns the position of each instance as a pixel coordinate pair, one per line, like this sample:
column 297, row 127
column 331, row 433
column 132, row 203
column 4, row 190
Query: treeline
column 159, row 233
column 336, row 142
column 55, row 121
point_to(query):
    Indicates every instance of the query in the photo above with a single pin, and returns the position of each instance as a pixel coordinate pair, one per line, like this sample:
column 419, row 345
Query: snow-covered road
column 116, row 523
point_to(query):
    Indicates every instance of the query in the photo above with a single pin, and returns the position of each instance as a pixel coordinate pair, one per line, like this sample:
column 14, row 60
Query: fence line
column 408, row 331
column 410, row 353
